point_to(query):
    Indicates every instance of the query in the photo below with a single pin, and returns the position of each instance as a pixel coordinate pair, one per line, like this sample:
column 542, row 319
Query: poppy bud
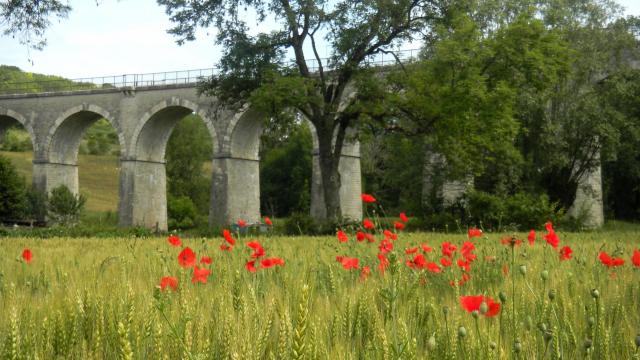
column 523, row 270
column 587, row 344
column 445, row 310
column 595, row 293
column 548, row 335
column 552, row 294
column 474, row 313
column 484, row 308
column 638, row 341
column 591, row 320
column 431, row 344
column 542, row 326
column 544, row 275
column 492, row 345
column 529, row 323
column 462, row 332
column 503, row 297
column 517, row 346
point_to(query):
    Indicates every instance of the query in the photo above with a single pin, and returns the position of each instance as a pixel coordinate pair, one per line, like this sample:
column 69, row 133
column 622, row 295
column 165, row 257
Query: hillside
column 98, row 177
column 12, row 77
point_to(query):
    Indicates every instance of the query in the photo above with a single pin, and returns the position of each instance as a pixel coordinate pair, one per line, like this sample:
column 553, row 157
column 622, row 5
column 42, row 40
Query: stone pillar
column 235, row 190
column 588, row 204
column 143, row 194
column 350, row 184
column 435, row 184
column 48, row 176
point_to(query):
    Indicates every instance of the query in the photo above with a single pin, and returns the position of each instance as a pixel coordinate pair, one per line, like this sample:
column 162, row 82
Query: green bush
column 13, row 197
column 520, row 211
column 182, row 212
column 64, row 206
column 16, row 139
column 38, row 205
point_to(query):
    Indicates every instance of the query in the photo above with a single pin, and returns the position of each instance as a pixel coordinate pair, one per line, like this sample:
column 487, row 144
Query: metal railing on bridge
column 183, row 77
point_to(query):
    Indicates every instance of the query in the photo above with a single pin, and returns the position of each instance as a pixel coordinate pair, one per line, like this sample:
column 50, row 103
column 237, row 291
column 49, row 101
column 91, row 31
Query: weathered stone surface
column 588, row 204
column 143, row 119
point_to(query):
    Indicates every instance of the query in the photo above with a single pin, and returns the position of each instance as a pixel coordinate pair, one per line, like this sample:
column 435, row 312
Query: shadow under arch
column 152, row 134
column 10, row 118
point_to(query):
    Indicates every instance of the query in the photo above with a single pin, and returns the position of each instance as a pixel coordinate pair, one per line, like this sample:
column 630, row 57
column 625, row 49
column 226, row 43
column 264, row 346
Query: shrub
column 64, row 206
column 13, row 199
column 182, row 212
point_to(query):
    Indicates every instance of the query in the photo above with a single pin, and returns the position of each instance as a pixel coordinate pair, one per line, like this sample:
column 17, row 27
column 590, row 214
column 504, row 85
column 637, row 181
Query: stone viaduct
column 143, row 118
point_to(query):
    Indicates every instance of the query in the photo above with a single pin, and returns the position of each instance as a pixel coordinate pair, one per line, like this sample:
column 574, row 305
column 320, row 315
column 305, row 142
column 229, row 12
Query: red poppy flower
column 464, row 265
column 271, row 262
column 368, row 224
column 370, row 237
column 412, row 250
column 348, row 263
column 364, row 274
column 426, row 248
column 433, row 267
column 418, row 262
column 549, row 227
column 635, row 259
column 205, row 260
column 187, row 258
column 385, row 246
column 169, row 281
column 368, row 198
column 552, row 239
column 467, row 251
column 398, row 225
column 448, row 249
column 505, row 269
column 445, row 261
column 268, row 221
column 225, row 247
column 403, row 217
column 251, row 266
column 27, row 255
column 390, row 235
column 531, row 237
column 608, row 261
column 473, row 303
column 174, row 240
column 474, row 232
column 242, row 223
column 200, row 275
column 227, row 236
column 509, row 241
column 258, row 251
column 342, row 237
column 565, row 253
column 384, row 262
column 360, row 236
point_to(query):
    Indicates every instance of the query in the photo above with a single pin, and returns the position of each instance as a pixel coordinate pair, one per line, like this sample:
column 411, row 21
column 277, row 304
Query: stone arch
column 63, row 141
column 9, row 117
column 152, row 134
column 244, row 131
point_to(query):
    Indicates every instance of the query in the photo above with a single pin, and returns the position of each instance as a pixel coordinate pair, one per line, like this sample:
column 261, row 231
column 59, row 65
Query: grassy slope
column 82, row 288
column 98, row 178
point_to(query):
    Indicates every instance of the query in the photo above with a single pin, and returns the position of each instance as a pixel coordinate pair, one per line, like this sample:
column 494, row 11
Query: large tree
column 326, row 91
column 29, row 19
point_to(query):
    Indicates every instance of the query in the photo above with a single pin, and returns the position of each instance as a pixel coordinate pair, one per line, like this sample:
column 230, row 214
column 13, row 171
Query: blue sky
column 123, row 37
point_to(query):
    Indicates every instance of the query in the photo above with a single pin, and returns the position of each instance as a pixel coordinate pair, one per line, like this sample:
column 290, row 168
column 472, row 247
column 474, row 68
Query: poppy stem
column 513, row 291
column 175, row 333
column 480, row 339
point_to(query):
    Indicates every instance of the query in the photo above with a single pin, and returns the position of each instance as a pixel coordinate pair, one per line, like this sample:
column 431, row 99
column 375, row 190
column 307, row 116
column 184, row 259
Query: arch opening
column 82, row 153
column 171, row 165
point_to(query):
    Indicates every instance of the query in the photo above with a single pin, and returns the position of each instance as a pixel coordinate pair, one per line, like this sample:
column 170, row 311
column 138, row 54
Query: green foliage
column 182, row 212
column 16, row 140
column 13, row 198
column 65, row 207
column 189, row 147
column 519, row 211
column 28, row 20
column 290, row 164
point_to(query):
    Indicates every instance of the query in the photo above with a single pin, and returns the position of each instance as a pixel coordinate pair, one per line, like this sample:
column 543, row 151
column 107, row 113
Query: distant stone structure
column 143, row 118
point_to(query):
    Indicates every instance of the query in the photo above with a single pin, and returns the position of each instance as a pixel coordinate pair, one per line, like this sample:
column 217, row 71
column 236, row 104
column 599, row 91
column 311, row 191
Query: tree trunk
column 329, row 174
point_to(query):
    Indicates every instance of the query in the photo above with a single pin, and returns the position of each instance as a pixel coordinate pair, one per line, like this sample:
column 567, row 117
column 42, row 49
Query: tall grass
column 95, row 299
